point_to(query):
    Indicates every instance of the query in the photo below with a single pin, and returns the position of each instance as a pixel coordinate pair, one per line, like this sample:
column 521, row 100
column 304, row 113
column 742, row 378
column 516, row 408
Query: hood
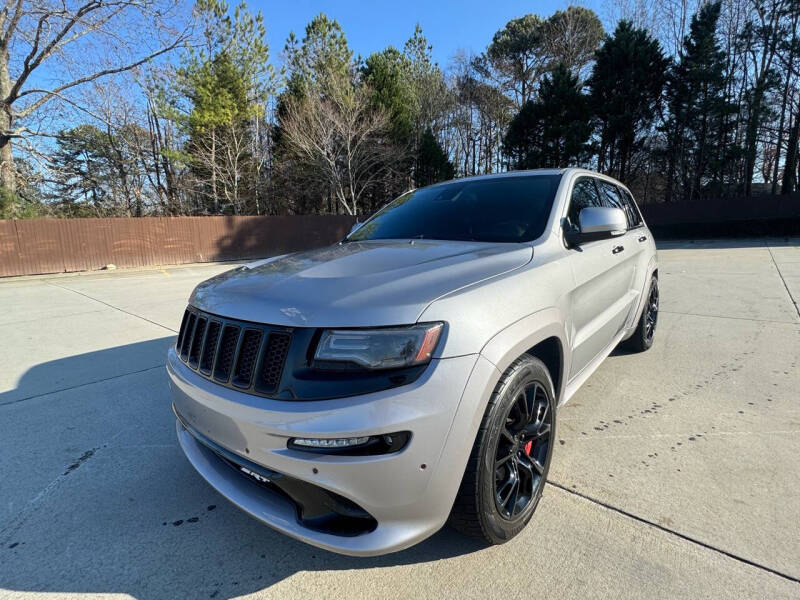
column 354, row 284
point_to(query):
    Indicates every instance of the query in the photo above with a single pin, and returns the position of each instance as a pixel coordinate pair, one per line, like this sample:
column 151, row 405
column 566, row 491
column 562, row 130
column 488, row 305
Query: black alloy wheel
column 651, row 312
column 642, row 338
column 522, row 450
column 507, row 468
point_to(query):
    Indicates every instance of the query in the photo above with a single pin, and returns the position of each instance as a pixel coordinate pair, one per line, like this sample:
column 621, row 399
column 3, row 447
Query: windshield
column 502, row 209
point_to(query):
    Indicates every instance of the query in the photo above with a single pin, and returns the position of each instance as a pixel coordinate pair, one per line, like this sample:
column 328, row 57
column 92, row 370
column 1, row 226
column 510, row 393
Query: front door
column 603, row 272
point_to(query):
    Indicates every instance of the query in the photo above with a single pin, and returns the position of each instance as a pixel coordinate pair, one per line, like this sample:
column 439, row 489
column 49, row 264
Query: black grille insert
column 210, row 347
column 248, row 353
column 275, row 352
column 186, row 338
column 226, row 352
column 197, row 341
column 182, row 330
column 238, row 354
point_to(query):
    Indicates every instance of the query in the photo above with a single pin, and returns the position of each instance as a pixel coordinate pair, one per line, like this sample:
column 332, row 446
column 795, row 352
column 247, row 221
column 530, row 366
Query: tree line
column 681, row 101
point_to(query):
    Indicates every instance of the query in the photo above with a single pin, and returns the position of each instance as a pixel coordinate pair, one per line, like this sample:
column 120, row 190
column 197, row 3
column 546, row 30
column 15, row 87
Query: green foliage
column 433, row 98
column 222, row 89
column 626, row 83
column 229, row 77
column 553, row 130
column 390, row 77
column 218, row 94
column 8, row 202
column 83, row 178
column 516, row 56
column 321, row 63
column 527, row 47
column 432, row 164
column 22, row 204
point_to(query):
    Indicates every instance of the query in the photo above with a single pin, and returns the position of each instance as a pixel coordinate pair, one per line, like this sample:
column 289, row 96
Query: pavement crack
column 751, row 319
column 785, row 285
column 122, row 310
column 673, row 532
column 80, row 385
column 28, row 509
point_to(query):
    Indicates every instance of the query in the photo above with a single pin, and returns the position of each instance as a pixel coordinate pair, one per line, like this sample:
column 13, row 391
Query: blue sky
column 372, row 25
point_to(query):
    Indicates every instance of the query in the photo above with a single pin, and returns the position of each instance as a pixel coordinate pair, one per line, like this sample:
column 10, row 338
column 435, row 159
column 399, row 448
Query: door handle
column 617, row 249
column 643, row 238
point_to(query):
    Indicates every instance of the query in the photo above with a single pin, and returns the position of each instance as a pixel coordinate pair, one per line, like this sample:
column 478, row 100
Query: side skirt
column 576, row 382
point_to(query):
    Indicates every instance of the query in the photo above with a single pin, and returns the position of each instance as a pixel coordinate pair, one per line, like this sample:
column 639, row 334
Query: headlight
column 389, row 348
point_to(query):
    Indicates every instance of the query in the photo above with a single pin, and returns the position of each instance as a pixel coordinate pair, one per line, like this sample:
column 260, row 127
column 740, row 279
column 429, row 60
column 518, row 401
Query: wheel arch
column 541, row 334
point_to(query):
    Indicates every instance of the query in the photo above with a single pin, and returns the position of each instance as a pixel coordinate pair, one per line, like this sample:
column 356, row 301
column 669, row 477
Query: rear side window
column 615, row 197
column 584, row 195
column 634, row 216
column 610, row 195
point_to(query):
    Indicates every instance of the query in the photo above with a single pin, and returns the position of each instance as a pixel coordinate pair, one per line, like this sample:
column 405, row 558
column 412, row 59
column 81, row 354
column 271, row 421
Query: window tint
column 610, row 195
column 503, row 209
column 584, row 194
column 634, row 217
column 614, row 197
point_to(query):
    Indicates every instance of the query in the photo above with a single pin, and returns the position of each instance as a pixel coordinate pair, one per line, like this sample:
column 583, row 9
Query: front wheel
column 642, row 338
column 508, row 465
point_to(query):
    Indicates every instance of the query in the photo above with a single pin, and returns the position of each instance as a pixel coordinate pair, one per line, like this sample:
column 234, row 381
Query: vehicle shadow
column 121, row 511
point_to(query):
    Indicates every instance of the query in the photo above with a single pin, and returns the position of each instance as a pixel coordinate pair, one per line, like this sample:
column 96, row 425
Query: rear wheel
column 642, row 338
column 508, row 465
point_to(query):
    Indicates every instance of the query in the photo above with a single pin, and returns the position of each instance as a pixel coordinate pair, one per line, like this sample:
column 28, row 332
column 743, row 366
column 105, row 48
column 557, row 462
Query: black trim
column 236, row 354
column 284, row 368
column 316, row 508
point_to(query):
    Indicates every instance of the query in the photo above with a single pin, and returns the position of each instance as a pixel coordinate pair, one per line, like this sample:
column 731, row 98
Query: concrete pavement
column 676, row 472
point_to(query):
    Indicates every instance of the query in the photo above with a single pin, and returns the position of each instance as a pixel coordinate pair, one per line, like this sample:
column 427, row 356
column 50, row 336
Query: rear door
column 635, row 238
column 603, row 271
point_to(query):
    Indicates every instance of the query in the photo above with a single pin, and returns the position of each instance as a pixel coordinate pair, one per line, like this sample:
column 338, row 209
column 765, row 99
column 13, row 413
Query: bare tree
column 75, row 44
column 571, row 37
column 224, row 158
column 340, row 142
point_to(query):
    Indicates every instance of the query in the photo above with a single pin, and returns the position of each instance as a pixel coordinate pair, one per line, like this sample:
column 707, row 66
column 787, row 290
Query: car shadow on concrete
column 127, row 513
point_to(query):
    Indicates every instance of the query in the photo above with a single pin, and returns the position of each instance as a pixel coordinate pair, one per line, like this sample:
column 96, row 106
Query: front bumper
column 408, row 493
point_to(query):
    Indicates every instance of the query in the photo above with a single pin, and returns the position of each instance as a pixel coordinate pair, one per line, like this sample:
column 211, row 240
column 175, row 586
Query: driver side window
column 584, row 194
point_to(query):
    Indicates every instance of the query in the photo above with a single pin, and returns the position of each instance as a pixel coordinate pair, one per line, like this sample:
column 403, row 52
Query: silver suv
column 358, row 396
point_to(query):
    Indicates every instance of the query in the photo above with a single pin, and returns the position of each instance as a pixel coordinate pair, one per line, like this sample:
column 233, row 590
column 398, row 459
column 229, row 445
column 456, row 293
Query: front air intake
column 238, row 354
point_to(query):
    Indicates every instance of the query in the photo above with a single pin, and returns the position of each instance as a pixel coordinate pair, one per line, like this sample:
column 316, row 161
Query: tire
column 642, row 338
column 478, row 510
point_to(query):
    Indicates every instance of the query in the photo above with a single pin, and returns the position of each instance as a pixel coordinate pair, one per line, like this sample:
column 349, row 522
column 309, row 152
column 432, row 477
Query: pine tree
column 226, row 81
column 432, row 164
column 553, row 130
column 626, row 84
column 388, row 74
column 321, row 62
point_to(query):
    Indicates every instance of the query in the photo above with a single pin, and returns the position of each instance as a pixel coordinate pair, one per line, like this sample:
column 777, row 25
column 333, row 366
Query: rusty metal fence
column 29, row 247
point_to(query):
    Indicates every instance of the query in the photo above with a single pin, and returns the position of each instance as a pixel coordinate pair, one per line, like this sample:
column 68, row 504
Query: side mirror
column 598, row 223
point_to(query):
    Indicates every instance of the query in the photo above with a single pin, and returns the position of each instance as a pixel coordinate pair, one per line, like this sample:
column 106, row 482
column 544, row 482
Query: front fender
column 510, row 343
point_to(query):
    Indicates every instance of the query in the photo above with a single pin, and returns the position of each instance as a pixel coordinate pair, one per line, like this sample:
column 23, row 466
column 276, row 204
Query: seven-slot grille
column 237, row 354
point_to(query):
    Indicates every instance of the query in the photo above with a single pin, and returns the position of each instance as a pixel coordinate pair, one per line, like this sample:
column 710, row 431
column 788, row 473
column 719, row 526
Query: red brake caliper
column 528, row 447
